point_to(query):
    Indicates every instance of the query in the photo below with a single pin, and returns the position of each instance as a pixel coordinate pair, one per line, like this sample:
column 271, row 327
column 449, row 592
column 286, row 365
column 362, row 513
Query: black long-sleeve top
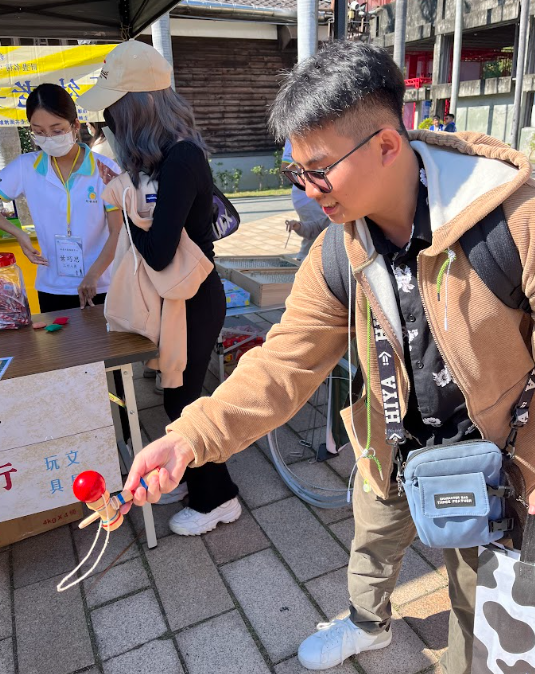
column 184, row 202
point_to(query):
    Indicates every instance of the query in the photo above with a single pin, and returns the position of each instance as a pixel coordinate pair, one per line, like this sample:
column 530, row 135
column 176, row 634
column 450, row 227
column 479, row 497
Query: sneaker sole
column 314, row 666
column 210, row 527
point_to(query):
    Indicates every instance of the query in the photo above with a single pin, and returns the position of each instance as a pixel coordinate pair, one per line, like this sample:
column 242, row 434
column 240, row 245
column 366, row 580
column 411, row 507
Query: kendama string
column 60, row 586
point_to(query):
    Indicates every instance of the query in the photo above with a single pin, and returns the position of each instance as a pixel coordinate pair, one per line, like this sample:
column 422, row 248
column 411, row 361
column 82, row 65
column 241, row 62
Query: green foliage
column 224, row 177
column 259, row 172
column 236, row 177
column 26, row 143
column 425, row 123
column 276, row 170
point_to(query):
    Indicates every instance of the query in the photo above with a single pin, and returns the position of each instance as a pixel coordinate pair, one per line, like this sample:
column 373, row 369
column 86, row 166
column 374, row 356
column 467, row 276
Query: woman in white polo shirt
column 77, row 232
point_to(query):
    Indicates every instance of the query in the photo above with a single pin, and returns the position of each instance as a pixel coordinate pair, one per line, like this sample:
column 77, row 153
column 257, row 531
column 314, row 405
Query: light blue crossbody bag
column 456, row 493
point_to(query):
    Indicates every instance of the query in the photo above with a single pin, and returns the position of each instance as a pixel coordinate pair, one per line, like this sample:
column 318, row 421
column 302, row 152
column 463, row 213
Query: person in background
column 312, row 220
column 436, row 125
column 99, row 143
column 449, row 119
column 62, row 186
column 154, row 133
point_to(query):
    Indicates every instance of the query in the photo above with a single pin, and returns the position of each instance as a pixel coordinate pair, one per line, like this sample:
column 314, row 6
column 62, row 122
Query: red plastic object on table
column 61, row 320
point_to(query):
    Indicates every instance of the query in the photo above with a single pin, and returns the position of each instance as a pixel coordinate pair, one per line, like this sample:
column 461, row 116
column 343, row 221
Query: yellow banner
column 22, row 69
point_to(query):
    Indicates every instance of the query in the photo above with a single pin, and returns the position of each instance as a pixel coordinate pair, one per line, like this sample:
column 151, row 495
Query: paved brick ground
column 236, row 601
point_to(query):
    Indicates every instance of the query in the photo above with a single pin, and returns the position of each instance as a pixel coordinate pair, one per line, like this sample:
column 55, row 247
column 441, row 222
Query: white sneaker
column 158, row 388
column 336, row 641
column 178, row 494
column 189, row 522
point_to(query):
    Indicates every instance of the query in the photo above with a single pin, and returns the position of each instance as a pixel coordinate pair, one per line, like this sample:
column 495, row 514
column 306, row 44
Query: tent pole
column 161, row 40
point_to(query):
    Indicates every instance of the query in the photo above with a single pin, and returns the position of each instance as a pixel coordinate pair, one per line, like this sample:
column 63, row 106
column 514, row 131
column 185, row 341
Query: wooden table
column 84, row 340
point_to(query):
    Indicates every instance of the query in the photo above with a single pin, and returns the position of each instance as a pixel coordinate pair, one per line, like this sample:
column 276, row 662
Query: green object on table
column 53, row 328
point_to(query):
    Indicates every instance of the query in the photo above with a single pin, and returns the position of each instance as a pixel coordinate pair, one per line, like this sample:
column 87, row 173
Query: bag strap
column 494, row 256
column 520, row 414
column 335, row 265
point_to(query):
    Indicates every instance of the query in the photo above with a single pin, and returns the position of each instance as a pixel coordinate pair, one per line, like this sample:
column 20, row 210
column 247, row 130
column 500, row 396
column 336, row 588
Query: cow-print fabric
column 504, row 626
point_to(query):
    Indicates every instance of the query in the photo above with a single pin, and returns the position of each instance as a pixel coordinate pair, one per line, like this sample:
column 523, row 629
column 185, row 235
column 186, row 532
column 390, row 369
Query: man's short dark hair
column 436, row 117
column 450, row 114
column 348, row 82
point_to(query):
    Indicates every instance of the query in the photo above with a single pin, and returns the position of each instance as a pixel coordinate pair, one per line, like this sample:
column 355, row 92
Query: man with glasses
column 461, row 357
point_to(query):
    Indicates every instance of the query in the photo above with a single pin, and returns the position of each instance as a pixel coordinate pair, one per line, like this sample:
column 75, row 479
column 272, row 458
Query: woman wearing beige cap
column 154, row 132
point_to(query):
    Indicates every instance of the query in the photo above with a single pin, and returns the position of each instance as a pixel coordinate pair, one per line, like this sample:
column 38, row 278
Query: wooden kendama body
column 90, row 488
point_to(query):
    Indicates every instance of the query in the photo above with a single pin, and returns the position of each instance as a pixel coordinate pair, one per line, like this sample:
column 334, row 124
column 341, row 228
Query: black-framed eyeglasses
column 298, row 176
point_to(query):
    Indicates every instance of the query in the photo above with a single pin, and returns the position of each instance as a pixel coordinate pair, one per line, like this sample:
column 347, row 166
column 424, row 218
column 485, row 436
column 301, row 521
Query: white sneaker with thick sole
column 336, row 641
column 178, row 494
column 189, row 522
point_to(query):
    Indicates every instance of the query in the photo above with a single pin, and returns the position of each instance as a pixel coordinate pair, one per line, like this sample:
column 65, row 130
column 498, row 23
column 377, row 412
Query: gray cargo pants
column 383, row 531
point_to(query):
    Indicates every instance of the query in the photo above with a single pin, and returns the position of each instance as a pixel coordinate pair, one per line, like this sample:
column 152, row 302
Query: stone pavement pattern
column 237, row 600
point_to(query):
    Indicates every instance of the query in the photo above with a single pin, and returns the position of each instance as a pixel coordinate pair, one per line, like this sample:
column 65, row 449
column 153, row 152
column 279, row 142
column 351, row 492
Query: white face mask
column 56, row 146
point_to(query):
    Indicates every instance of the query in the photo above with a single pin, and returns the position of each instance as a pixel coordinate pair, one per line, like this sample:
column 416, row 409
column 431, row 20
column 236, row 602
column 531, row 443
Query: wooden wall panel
column 231, row 84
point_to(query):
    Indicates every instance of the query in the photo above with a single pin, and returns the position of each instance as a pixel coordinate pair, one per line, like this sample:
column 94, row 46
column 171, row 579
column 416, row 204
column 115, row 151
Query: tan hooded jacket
column 488, row 347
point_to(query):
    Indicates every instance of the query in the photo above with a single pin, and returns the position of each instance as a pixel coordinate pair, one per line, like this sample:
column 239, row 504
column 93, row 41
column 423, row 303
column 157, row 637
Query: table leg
column 137, row 443
column 124, row 452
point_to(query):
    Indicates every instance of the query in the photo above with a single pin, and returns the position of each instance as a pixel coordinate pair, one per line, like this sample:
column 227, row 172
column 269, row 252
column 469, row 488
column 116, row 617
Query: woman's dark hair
column 356, row 86
column 98, row 132
column 54, row 99
column 146, row 125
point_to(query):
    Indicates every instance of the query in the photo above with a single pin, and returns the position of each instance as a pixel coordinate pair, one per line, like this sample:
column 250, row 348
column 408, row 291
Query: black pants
column 49, row 302
column 210, row 485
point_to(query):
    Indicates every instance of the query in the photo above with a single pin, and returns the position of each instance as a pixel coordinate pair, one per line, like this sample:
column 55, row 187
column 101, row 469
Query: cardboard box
column 20, row 528
column 225, row 265
column 267, row 287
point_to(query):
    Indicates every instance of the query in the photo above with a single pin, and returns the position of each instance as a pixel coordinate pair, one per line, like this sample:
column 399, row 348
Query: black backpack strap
column 335, row 264
column 336, row 274
column 494, row 256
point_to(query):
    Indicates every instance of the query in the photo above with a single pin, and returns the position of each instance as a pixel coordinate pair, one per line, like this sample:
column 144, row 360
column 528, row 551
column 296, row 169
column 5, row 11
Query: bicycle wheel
column 311, row 452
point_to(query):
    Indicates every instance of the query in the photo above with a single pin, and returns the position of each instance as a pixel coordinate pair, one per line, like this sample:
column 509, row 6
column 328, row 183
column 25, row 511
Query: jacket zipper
column 438, row 343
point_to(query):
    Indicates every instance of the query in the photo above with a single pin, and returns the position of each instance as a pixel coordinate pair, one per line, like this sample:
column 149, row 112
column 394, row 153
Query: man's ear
column 391, row 144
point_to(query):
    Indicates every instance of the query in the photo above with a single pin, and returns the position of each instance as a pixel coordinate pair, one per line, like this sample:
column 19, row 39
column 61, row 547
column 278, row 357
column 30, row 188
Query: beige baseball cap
column 131, row 66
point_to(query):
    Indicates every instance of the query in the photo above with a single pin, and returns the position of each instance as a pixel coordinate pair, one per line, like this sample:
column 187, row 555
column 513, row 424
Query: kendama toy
column 90, row 488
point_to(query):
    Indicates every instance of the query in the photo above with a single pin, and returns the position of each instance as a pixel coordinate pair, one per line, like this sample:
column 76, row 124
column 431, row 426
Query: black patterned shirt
column 437, row 412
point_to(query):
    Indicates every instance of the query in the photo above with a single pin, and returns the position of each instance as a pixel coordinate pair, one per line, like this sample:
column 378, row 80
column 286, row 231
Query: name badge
column 69, row 256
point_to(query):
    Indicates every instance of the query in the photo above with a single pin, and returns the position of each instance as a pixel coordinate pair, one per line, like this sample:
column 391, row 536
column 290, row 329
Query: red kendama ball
column 89, row 486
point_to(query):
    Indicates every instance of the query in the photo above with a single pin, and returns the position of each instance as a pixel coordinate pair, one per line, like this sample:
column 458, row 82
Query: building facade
column 488, row 62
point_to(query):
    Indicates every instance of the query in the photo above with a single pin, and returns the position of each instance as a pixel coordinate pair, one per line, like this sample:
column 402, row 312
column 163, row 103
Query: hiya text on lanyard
column 69, row 251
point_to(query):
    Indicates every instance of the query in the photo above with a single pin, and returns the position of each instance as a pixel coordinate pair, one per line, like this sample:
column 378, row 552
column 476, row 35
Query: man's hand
column 531, row 501
column 172, row 455
column 31, row 253
column 87, row 290
column 293, row 226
